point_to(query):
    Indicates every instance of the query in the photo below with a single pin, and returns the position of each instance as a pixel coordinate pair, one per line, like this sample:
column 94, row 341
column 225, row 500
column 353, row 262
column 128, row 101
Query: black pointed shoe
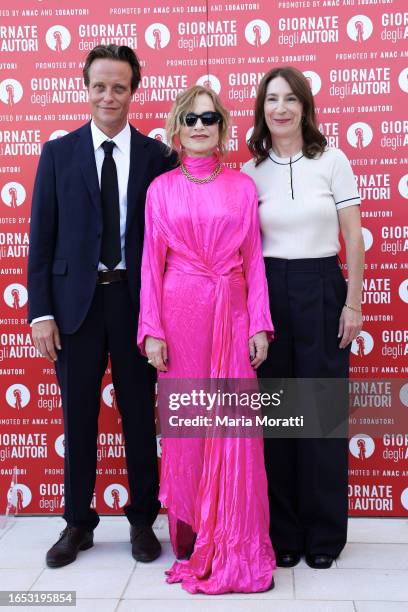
column 287, row 559
column 65, row 550
column 145, row 546
column 320, row 561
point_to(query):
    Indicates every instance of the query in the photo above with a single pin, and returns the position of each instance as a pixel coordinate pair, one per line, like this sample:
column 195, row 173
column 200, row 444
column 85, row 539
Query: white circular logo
column 58, row 38
column 403, row 291
column 59, row 445
column 403, row 186
column 17, row 396
column 359, row 135
column 361, row 446
column 57, row 134
column 403, row 80
column 403, row 395
column 157, row 36
column 359, row 28
column 210, row 81
column 11, row 92
column 404, row 498
column 19, row 496
column 257, row 32
column 314, row 80
column 363, row 344
column 368, row 238
column 13, row 194
column 15, row 295
column 109, row 396
column 115, row 496
column 159, row 134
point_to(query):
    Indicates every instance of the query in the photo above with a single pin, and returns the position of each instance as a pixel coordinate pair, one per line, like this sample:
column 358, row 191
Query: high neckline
column 200, row 166
column 285, row 160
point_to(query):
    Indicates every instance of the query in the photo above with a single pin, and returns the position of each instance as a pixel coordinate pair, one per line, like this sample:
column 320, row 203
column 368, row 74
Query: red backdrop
column 354, row 54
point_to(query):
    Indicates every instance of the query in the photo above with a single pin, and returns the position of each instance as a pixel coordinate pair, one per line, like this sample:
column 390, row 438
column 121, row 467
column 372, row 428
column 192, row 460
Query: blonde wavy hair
column 184, row 104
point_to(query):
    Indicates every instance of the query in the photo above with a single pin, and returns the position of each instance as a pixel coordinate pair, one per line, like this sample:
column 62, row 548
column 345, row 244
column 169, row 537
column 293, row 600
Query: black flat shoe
column 145, row 546
column 287, row 559
column 321, row 561
column 65, row 550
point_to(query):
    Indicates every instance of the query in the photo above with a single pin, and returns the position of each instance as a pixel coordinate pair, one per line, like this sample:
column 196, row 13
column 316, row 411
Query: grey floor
column 370, row 576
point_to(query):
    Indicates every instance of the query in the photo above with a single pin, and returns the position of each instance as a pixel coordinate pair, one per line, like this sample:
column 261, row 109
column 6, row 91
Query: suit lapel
column 137, row 170
column 86, row 159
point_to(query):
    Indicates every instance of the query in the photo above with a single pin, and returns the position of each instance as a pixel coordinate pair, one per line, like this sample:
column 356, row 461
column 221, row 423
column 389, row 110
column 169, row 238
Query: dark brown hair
column 260, row 143
column 121, row 54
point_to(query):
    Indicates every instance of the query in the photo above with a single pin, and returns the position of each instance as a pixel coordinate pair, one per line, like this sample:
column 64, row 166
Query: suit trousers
column 110, row 328
column 307, row 478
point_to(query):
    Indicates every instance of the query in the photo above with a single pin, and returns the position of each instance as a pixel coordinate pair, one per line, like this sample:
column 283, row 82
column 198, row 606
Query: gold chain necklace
column 206, row 179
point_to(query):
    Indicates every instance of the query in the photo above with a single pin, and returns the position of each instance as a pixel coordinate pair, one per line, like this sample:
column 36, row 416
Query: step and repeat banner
column 355, row 56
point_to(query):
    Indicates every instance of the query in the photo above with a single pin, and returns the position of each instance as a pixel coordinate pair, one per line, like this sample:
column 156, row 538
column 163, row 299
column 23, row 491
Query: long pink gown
column 204, row 292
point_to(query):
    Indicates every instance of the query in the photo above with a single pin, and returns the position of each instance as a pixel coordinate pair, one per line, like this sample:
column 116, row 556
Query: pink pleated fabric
column 204, row 292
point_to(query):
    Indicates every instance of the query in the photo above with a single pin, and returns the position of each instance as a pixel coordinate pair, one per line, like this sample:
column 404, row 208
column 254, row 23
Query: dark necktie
column 110, row 249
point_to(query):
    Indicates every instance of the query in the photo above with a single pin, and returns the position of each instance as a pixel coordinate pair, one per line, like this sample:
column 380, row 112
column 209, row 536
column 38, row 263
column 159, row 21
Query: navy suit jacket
column 66, row 224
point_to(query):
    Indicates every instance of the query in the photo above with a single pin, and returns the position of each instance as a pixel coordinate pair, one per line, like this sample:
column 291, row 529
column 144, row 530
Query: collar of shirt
column 121, row 140
column 283, row 161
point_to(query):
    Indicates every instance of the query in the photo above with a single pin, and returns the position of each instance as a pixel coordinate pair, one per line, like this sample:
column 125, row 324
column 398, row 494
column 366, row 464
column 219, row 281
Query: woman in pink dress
column 204, row 314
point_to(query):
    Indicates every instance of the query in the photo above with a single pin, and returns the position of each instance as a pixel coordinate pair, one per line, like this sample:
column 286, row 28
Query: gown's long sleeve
column 153, row 265
column 254, row 270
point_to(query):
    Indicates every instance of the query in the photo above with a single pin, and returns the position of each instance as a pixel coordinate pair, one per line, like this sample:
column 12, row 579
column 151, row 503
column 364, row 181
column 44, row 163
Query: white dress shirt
column 121, row 155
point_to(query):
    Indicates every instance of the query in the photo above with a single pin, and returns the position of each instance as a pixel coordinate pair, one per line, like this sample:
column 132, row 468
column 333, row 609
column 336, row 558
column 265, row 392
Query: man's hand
column 156, row 351
column 46, row 339
column 258, row 349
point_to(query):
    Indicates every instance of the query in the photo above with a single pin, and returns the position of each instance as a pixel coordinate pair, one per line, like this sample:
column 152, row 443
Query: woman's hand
column 258, row 349
column 351, row 319
column 156, row 351
column 350, row 325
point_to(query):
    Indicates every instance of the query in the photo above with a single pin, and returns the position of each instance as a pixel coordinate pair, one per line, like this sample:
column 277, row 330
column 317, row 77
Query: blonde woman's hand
column 258, row 349
column 156, row 351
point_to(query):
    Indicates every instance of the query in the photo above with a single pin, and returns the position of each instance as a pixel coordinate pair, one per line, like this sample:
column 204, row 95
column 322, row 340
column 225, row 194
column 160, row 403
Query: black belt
column 105, row 277
column 314, row 264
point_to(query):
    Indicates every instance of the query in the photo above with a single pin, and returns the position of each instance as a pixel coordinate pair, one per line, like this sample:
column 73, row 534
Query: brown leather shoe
column 145, row 546
column 65, row 550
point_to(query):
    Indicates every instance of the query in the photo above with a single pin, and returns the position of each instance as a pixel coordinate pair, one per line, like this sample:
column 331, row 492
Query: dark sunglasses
column 207, row 118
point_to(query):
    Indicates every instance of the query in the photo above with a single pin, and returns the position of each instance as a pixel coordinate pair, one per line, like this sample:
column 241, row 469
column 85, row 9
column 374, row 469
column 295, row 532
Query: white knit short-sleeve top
column 298, row 202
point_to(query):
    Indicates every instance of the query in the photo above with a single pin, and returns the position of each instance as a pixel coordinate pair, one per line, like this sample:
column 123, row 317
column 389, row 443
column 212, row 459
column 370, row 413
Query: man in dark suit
column 86, row 243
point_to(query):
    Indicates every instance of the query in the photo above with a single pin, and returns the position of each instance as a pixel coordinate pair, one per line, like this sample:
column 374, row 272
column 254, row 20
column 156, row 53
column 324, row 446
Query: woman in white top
column 307, row 193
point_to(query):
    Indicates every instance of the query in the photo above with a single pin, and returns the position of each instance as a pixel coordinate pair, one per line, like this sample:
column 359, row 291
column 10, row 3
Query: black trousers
column 307, row 478
column 110, row 328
